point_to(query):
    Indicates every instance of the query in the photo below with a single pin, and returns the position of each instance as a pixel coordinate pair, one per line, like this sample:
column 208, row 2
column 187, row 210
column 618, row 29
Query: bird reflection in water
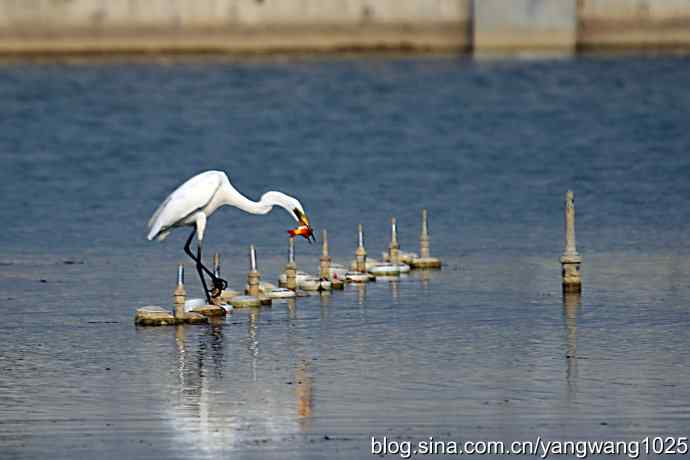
column 211, row 414
column 213, row 340
column 195, row 417
column 571, row 308
column 209, row 354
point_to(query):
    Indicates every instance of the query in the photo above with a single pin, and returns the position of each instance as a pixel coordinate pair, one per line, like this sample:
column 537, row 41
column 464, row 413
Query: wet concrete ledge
column 241, row 40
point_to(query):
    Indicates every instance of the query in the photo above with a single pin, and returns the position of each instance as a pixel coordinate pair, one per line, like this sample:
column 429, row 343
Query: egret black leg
column 197, row 262
column 196, row 259
column 199, row 268
column 219, row 284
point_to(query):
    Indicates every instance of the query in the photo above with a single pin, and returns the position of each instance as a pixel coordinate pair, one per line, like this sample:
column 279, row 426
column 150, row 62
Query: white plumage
column 193, row 202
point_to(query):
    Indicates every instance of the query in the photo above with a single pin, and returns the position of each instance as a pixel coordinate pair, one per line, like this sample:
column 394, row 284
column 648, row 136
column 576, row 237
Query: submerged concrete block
column 404, row 256
column 210, row 310
column 244, row 301
column 426, row 262
column 300, row 276
column 358, row 277
column 227, row 295
column 389, row 269
column 337, row 271
column 313, row 283
column 152, row 315
column 281, row 293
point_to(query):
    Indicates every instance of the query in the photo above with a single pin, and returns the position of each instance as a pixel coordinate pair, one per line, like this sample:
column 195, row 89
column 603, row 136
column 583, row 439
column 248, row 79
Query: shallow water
column 486, row 348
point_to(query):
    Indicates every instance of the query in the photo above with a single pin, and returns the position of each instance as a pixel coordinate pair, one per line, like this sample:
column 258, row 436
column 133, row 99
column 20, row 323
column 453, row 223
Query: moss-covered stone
column 152, row 315
column 426, row 262
column 245, row 301
column 210, row 310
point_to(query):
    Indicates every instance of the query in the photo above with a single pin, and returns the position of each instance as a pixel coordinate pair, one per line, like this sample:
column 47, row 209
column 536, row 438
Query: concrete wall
column 105, row 14
column 633, row 10
column 131, row 26
column 607, row 24
column 547, row 25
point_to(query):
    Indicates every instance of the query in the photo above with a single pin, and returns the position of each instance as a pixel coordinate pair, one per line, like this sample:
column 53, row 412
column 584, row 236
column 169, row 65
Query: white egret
column 194, row 201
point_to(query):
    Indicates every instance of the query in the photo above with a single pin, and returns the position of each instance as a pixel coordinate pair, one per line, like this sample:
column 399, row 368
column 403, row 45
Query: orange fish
column 303, row 230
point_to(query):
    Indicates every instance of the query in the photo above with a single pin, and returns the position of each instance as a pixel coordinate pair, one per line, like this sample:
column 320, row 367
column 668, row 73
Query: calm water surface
column 487, row 348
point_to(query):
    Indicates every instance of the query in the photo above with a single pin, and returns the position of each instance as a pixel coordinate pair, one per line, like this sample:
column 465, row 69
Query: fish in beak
column 305, row 231
column 304, row 228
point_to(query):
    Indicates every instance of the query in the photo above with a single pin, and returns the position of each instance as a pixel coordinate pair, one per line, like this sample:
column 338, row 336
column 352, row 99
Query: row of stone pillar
column 570, row 260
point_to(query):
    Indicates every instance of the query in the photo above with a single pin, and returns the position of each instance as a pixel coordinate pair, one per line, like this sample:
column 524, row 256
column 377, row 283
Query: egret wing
column 188, row 198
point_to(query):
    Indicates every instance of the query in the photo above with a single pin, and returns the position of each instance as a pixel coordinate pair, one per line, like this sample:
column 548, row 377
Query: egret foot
column 219, row 285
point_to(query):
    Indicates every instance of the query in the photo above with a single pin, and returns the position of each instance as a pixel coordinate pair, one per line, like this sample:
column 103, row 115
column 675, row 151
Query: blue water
column 486, row 348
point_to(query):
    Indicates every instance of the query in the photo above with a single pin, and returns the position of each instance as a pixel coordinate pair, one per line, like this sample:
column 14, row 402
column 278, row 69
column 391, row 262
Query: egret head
column 295, row 209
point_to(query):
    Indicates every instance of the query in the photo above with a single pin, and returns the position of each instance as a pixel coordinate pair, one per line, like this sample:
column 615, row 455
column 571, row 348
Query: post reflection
column 292, row 309
column 571, row 308
column 394, row 285
column 325, row 302
column 252, row 339
column 424, row 278
column 302, row 375
column 180, row 348
column 361, row 293
column 303, row 392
